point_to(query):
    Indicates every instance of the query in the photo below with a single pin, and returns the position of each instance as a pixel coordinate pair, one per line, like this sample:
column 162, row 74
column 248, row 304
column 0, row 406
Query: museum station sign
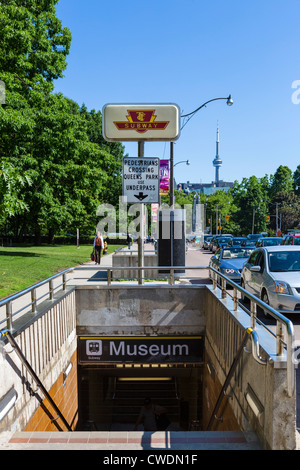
column 140, row 349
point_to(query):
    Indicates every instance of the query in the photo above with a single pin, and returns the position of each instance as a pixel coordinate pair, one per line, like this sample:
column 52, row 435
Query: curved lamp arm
column 183, row 161
column 190, row 115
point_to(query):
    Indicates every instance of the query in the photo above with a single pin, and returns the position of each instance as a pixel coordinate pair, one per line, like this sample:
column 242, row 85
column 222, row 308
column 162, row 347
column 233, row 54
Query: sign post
column 141, row 123
column 142, row 231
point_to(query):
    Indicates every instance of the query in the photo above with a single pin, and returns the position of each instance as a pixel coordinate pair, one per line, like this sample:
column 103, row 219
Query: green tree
column 285, row 207
column 220, row 210
column 282, row 181
column 11, row 186
column 251, row 198
column 46, row 136
column 296, row 177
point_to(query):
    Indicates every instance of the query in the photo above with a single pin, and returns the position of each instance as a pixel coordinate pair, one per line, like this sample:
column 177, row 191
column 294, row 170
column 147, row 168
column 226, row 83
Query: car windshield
column 270, row 242
column 283, row 261
column 254, row 236
column 223, row 239
column 237, row 241
column 231, row 253
column 248, row 243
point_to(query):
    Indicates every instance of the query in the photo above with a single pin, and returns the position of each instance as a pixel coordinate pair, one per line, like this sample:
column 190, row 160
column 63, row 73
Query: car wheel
column 265, row 299
column 243, row 296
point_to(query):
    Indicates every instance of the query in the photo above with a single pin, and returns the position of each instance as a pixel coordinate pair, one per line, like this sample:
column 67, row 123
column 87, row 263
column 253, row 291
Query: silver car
column 273, row 275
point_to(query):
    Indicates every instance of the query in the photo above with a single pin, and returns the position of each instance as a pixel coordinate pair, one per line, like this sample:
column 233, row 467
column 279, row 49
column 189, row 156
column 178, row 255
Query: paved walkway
column 133, row 440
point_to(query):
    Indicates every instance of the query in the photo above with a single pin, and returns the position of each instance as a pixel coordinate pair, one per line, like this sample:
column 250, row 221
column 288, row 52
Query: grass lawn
column 22, row 266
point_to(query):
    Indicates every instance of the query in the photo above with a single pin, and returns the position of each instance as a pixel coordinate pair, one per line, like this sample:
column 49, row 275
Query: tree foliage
column 56, row 166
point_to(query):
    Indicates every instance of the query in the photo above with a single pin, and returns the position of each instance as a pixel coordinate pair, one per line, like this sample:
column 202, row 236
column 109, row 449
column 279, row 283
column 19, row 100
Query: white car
column 273, row 275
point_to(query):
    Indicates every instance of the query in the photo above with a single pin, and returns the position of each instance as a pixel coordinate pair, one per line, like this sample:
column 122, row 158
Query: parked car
column 219, row 243
column 291, row 239
column 254, row 236
column 206, row 241
column 248, row 242
column 236, row 241
column 273, row 275
column 269, row 241
column 212, row 241
column 229, row 261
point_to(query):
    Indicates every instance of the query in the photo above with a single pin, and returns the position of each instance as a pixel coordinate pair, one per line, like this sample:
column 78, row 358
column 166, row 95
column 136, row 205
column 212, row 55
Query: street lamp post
column 189, row 116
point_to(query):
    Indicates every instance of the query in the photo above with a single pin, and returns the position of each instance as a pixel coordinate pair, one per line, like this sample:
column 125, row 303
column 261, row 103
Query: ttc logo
column 141, row 121
column 94, row 347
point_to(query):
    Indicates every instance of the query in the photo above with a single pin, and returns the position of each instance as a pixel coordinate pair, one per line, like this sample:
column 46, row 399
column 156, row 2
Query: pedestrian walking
column 129, row 241
column 98, row 246
column 149, row 416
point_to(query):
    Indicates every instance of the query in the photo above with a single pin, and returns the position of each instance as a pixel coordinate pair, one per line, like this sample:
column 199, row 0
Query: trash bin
column 171, row 240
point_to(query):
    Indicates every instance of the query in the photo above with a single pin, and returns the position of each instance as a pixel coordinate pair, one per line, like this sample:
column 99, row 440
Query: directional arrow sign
column 141, row 177
column 141, row 196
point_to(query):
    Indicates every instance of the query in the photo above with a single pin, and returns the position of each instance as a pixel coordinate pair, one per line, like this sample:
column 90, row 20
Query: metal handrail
column 254, row 301
column 280, row 319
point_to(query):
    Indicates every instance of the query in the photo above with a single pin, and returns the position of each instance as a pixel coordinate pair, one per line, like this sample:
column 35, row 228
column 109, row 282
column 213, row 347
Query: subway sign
column 140, row 349
column 140, row 122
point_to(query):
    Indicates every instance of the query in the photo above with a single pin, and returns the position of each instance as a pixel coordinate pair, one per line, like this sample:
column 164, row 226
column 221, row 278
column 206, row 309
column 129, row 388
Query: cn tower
column 217, row 162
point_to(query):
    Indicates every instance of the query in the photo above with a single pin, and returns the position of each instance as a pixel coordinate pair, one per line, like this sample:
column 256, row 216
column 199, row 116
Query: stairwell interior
column 113, row 402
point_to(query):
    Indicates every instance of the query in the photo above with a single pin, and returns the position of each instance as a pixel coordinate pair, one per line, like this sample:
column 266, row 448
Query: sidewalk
column 132, row 440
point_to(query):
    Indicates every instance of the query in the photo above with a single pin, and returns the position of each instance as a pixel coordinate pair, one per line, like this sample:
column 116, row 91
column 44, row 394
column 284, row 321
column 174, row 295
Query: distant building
column 209, row 188
column 205, row 188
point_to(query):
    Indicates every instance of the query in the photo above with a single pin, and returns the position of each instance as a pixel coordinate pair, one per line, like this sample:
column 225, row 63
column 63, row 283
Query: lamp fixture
column 229, row 101
column 254, row 403
column 66, row 372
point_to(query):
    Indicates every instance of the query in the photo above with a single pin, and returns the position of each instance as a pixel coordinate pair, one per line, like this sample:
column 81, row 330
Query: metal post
column 279, row 338
column 64, row 281
column 253, row 312
column 141, row 238
column 51, row 290
column 171, row 175
column 171, row 183
column 235, row 299
column 108, row 277
column 33, row 300
column 9, row 316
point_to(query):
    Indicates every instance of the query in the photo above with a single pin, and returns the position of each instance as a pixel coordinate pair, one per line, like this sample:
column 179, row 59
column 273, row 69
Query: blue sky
column 188, row 52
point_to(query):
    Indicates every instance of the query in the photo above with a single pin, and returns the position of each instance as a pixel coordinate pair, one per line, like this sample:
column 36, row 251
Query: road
column 197, row 257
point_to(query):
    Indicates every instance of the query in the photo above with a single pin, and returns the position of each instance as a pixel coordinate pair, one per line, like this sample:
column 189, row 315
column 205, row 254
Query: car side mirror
column 255, row 269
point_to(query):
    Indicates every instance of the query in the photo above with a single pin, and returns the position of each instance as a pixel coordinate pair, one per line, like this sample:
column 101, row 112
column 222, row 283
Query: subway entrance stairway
column 258, row 411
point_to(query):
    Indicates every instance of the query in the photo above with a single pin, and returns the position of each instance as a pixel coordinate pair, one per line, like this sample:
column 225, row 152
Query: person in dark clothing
column 129, row 240
column 98, row 246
